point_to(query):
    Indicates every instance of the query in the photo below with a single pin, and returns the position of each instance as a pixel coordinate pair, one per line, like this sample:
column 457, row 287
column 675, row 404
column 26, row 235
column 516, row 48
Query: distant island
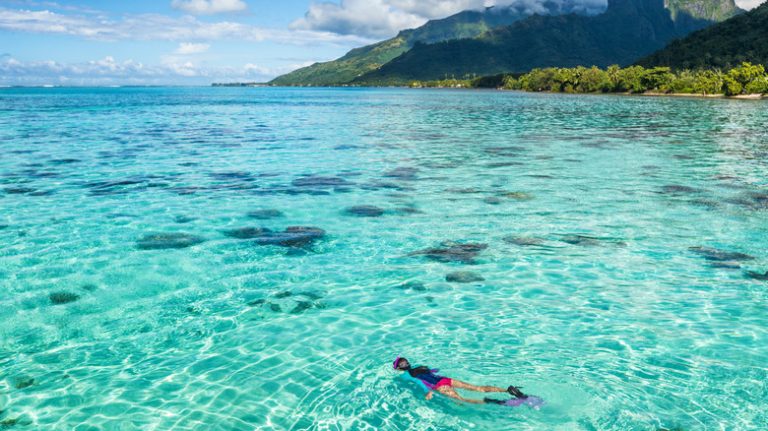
column 239, row 84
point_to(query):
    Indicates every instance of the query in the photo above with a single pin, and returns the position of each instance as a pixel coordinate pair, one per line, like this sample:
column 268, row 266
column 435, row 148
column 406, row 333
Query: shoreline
column 755, row 96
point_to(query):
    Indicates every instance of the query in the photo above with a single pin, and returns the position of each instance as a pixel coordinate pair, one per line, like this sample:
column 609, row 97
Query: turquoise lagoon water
column 592, row 298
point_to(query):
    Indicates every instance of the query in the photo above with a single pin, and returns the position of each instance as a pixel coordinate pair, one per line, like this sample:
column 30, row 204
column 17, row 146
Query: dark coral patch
column 23, row 382
column 64, row 161
column 60, row 298
column 718, row 255
column 245, row 232
column 752, row 200
column 678, row 189
column 590, row 241
column 301, row 306
column 103, row 188
column 464, row 277
column 450, row 251
column 319, row 181
column 757, row 275
column 19, row 190
column 294, row 236
column 232, row 176
column 286, row 300
column 174, row 240
column 364, row 211
column 503, row 164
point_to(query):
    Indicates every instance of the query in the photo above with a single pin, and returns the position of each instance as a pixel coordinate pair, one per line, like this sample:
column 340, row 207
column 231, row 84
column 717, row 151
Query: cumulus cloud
column 187, row 48
column 373, row 18
column 749, row 4
column 109, row 71
column 209, row 7
column 431, row 9
column 159, row 27
column 384, row 18
column 13, row 71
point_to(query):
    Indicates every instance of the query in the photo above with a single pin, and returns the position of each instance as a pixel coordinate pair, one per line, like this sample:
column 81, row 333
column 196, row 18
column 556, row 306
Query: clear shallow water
column 626, row 329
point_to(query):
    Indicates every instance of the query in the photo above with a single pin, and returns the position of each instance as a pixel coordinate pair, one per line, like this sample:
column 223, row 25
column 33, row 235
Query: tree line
column 745, row 79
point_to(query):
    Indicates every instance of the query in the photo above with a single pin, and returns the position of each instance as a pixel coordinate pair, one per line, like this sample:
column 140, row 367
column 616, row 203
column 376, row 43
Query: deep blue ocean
column 255, row 258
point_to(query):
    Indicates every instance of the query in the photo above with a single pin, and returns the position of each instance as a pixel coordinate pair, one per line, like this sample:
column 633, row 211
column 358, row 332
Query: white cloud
column 372, row 18
column 208, row 7
column 160, row 27
column 384, row 18
column 436, row 8
column 749, row 4
column 13, row 71
column 187, row 48
column 109, row 71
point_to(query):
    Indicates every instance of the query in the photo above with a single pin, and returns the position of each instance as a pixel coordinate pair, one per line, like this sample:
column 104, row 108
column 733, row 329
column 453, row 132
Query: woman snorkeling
column 431, row 382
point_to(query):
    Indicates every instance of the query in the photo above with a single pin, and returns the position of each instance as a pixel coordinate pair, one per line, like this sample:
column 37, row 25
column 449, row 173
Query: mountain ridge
column 626, row 31
column 510, row 39
column 465, row 24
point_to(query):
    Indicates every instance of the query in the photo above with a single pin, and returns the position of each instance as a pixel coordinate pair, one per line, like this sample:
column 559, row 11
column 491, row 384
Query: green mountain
column 625, row 32
column 702, row 9
column 724, row 45
column 465, row 24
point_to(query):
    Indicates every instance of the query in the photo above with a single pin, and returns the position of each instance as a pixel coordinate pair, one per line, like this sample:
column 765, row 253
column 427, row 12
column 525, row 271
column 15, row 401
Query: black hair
column 413, row 371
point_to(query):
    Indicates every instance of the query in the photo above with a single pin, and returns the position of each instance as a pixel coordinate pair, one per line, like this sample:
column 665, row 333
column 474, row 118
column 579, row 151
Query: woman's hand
column 429, row 395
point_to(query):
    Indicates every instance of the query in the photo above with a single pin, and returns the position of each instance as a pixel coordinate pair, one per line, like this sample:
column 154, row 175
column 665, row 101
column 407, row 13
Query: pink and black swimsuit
column 432, row 380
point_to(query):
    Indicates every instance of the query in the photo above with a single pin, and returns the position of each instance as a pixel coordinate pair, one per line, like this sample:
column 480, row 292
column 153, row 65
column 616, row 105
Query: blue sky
column 110, row 42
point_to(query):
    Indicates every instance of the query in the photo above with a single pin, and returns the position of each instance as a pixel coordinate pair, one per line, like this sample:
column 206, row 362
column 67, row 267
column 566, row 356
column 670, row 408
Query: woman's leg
column 458, row 384
column 449, row 392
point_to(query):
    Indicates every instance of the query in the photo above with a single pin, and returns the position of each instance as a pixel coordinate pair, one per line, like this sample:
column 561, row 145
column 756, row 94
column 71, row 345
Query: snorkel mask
column 396, row 364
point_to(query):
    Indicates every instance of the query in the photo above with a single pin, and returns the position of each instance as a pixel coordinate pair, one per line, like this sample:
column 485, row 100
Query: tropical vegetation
column 724, row 45
column 746, row 78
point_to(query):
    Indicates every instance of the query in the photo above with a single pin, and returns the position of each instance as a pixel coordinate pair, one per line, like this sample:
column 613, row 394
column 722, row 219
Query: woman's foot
column 515, row 391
